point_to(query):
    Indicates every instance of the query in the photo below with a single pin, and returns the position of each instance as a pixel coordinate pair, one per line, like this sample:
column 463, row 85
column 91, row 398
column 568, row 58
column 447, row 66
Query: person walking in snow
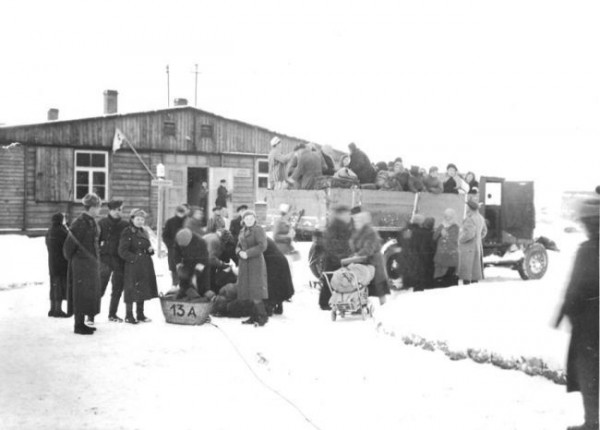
column 57, row 265
column 470, row 245
column 111, row 228
column 82, row 251
column 140, row 280
column 581, row 308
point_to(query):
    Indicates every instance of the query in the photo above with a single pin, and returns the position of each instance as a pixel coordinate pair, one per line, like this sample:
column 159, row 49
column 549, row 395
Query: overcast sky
column 507, row 88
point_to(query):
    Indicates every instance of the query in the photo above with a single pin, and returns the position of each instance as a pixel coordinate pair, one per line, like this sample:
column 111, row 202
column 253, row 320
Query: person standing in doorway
column 470, row 245
column 172, row 226
column 111, row 228
column 82, row 251
column 57, row 265
column 140, row 279
column 203, row 196
column 222, row 194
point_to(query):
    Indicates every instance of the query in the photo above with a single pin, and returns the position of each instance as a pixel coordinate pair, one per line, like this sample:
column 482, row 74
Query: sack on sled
column 351, row 277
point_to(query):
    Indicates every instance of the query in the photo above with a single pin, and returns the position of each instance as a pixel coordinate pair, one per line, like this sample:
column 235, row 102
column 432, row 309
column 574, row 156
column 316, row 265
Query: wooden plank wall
column 12, row 191
column 130, row 182
column 243, row 187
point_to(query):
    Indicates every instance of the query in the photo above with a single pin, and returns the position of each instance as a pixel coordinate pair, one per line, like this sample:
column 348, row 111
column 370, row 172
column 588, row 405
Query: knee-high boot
column 80, row 327
column 129, row 314
column 261, row 314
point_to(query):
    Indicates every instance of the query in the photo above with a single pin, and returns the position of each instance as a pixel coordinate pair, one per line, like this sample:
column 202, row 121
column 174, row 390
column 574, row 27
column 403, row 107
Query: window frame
column 91, row 171
column 261, row 175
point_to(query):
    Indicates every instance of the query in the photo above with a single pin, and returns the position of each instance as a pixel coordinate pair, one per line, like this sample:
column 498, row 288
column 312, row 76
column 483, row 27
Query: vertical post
column 159, row 221
column 196, row 87
column 168, row 89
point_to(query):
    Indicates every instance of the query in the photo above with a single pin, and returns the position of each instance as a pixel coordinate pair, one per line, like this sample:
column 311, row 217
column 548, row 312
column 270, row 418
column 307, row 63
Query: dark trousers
column 449, row 279
column 325, row 293
column 112, row 265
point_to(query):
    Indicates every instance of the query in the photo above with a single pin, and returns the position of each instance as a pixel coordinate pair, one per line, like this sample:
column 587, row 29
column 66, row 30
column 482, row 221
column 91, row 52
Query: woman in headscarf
column 446, row 254
column 252, row 276
column 140, row 280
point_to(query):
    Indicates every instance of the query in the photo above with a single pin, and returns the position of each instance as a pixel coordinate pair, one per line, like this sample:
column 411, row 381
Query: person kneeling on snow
column 191, row 257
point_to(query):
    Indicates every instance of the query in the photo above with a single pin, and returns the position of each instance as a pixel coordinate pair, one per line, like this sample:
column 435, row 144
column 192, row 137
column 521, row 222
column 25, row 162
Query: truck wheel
column 315, row 260
column 393, row 267
column 535, row 263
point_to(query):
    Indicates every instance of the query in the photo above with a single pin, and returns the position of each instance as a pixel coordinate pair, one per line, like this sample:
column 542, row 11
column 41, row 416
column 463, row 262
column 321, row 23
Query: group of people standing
column 82, row 259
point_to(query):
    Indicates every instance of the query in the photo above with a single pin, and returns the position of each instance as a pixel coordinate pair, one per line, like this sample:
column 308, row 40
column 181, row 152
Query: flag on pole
column 118, row 140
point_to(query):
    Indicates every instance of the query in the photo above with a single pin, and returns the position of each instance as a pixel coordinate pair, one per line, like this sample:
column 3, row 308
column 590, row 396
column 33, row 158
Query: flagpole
column 140, row 158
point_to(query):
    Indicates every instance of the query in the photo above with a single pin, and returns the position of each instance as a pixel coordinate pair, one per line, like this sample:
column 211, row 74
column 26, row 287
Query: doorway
column 197, row 195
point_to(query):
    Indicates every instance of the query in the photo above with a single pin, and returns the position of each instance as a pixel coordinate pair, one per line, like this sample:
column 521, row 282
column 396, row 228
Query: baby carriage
column 349, row 293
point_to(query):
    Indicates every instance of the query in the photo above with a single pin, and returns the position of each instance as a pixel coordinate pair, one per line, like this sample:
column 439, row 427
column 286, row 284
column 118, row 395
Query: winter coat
column 361, row 165
column 382, row 179
column 367, row 243
column 397, row 181
column 415, row 184
column 140, row 280
column 83, row 279
column 279, row 276
column 470, row 247
column 215, row 223
column 309, row 168
column 281, row 230
column 433, row 184
column 450, row 186
column 329, row 169
column 196, row 252
column 252, row 274
column 235, row 227
column 56, row 236
column 172, row 226
column 278, row 165
column 336, row 244
column 222, row 195
column 581, row 307
column 417, row 257
column 110, row 234
column 446, row 253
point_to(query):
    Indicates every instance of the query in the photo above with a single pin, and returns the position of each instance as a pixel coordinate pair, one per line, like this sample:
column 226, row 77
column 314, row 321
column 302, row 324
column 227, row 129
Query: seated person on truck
column 361, row 165
column 432, row 181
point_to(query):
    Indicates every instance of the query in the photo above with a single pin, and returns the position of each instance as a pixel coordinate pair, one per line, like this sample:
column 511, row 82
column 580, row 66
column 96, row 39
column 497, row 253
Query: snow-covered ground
column 347, row 374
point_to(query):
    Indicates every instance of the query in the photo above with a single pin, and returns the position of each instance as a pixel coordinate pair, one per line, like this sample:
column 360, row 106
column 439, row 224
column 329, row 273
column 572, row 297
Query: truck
column 507, row 206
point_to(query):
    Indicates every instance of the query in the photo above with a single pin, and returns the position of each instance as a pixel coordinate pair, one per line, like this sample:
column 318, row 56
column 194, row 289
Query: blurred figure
column 57, row 265
column 581, row 308
column 336, row 246
column 217, row 221
column 221, row 250
column 140, row 279
column 418, row 252
column 383, row 174
column 432, row 182
column 327, row 154
column 344, row 172
column 308, row 169
column 82, row 251
column 236, row 223
column 172, row 226
column 470, row 245
column 400, row 179
column 195, row 222
column 415, row 181
column 192, row 259
column 203, row 196
column 252, row 276
column 361, row 165
column 278, row 164
column 111, row 265
column 222, row 194
column 365, row 242
column 283, row 233
column 446, row 254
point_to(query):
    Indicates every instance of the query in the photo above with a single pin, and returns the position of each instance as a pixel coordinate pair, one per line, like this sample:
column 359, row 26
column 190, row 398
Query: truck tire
column 315, row 257
column 535, row 263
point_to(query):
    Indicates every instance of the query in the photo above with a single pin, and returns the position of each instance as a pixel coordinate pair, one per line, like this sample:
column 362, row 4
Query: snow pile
column 24, row 261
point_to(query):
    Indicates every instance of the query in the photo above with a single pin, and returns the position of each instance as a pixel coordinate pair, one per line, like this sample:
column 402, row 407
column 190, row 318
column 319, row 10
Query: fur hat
column 248, row 212
column 57, row 218
column 181, row 209
column 451, row 166
column 91, row 200
column 473, row 205
column 241, row 208
column 275, row 141
column 183, row 237
column 382, row 165
column 115, row 204
column 352, row 146
column 137, row 212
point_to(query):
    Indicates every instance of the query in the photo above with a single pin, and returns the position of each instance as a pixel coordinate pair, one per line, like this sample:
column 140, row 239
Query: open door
column 518, row 209
column 215, row 175
column 177, row 194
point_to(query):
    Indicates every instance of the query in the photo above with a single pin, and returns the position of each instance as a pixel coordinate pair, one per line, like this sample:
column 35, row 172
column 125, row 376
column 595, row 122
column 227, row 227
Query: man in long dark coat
column 581, row 308
column 82, row 251
column 172, row 226
column 279, row 278
column 57, row 265
column 336, row 246
column 222, row 194
column 111, row 228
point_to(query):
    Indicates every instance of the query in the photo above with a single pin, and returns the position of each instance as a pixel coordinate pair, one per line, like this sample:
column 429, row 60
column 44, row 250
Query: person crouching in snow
column 140, row 280
column 365, row 242
column 252, row 275
column 57, row 265
column 82, row 251
column 192, row 259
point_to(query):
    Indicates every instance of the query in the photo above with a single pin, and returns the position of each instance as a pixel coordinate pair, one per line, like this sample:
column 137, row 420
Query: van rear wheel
column 535, row 262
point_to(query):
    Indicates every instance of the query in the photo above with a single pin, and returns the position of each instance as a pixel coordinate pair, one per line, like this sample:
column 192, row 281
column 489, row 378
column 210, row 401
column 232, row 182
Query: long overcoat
column 470, row 247
column 309, row 168
column 57, row 264
column 172, row 226
column 446, row 253
column 140, row 279
column 367, row 243
column 83, row 280
column 581, row 307
column 279, row 276
column 252, row 276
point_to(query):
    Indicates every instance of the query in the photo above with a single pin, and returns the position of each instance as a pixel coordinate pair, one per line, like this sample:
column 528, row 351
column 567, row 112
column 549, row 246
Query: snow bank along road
column 341, row 375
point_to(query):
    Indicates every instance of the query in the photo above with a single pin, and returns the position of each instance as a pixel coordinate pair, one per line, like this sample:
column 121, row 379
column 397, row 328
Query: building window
column 262, row 174
column 91, row 173
column 169, row 128
column 206, row 130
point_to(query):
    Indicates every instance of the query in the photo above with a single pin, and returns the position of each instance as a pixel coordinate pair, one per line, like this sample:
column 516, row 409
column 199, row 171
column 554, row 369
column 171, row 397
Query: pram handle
column 350, row 260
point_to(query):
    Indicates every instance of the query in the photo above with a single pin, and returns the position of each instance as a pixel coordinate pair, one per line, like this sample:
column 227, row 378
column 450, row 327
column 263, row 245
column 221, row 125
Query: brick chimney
column 180, row 102
column 110, row 102
column 52, row 114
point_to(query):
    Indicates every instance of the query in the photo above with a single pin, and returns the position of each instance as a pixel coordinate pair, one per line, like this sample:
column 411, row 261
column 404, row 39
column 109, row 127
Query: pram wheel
column 333, row 315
